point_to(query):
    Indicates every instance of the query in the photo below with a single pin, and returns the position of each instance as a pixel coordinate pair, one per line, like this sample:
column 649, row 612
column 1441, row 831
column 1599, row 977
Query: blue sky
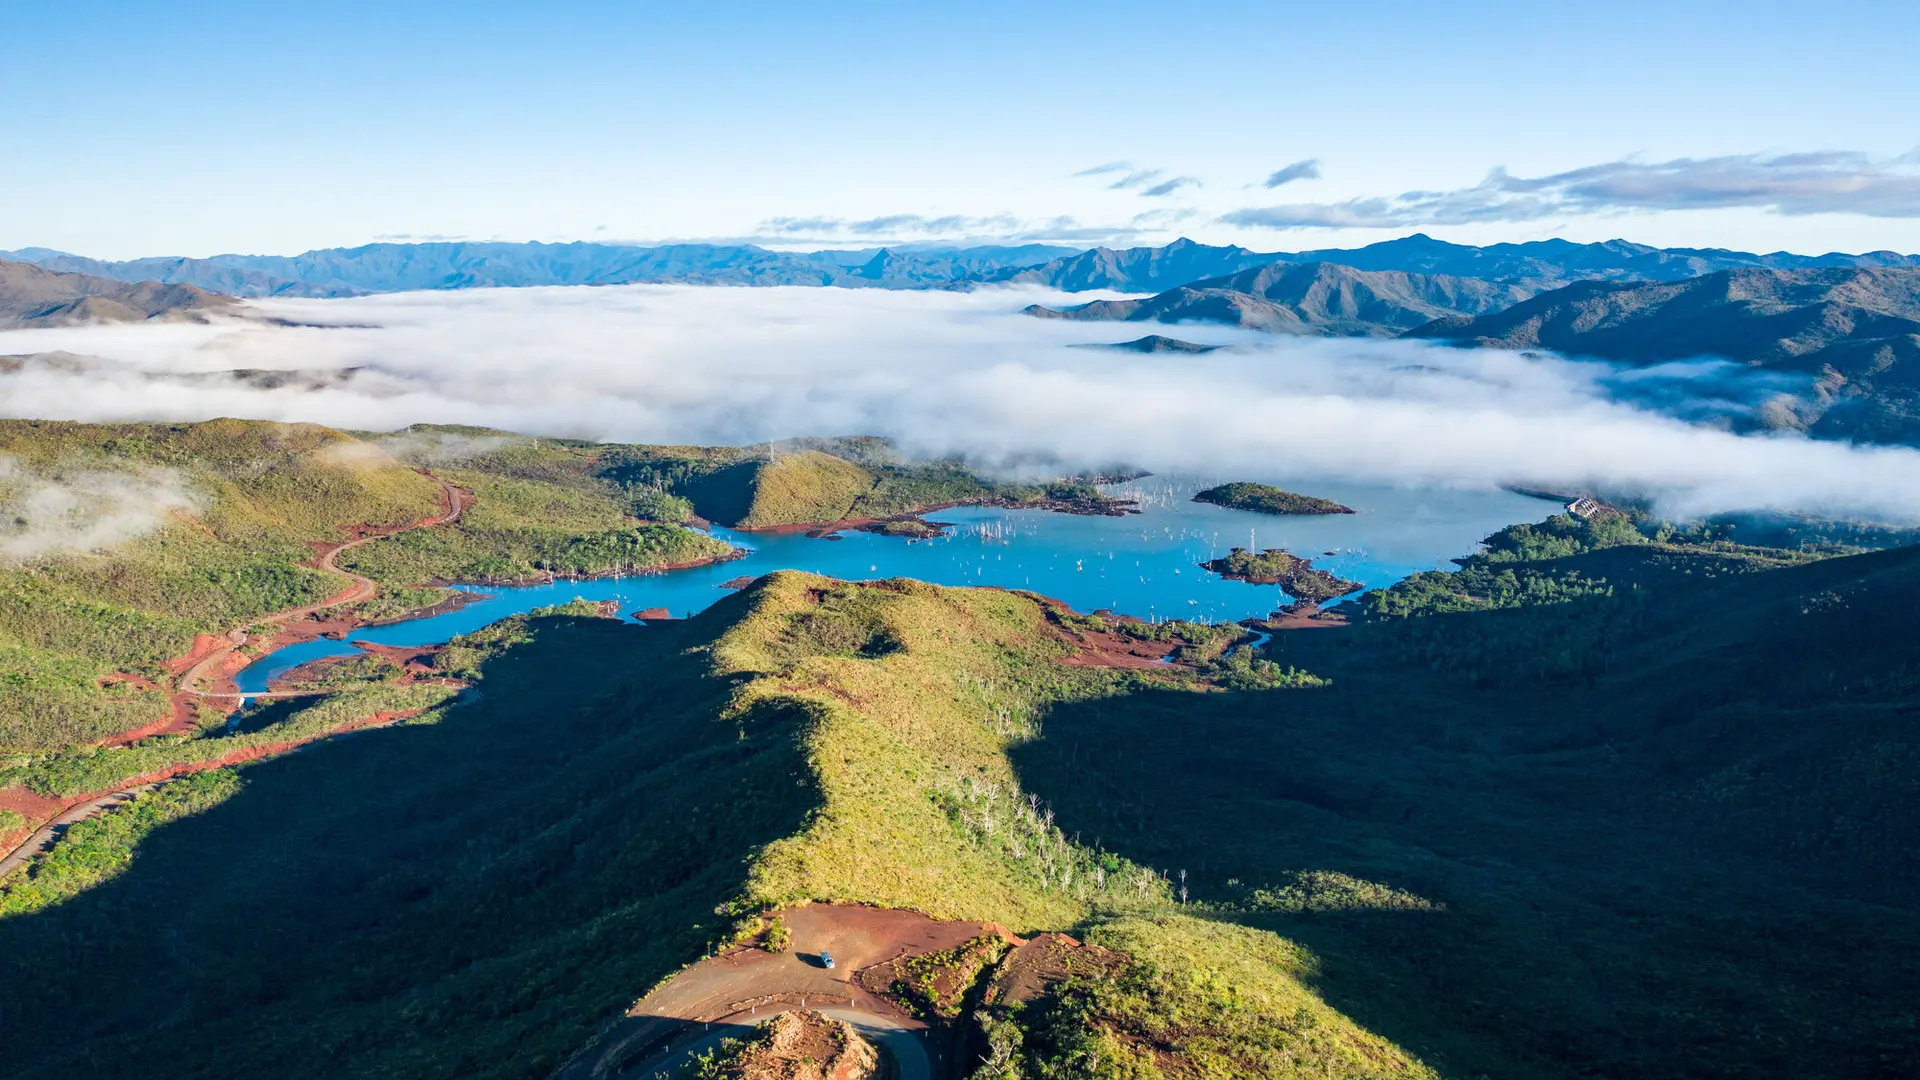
column 195, row 128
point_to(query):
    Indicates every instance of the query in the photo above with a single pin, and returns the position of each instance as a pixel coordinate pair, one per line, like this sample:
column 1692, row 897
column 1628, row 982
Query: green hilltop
column 1267, row 499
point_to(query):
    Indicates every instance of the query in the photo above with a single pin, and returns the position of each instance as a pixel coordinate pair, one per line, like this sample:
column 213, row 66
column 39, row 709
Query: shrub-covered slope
column 1651, row 796
column 124, row 541
column 472, row 894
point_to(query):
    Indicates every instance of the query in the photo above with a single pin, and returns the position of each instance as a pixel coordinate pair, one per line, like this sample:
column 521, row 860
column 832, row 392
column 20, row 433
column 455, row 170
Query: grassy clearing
column 803, row 487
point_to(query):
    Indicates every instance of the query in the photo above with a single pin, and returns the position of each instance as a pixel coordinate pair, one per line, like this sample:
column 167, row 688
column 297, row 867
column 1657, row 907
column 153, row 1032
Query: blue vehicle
column 826, row 960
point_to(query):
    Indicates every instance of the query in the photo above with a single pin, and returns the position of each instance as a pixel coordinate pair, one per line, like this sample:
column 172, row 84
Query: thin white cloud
column 1168, row 187
column 1834, row 182
column 947, row 372
column 1299, row 170
column 891, row 225
column 788, row 232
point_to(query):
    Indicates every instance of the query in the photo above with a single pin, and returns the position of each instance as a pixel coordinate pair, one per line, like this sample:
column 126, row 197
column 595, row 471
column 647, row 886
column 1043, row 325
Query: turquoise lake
column 1144, row 565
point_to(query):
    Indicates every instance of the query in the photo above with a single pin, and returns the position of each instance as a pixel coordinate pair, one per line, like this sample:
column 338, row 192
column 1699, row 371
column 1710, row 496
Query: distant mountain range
column 392, row 267
column 1848, row 324
column 1854, row 332
column 1847, row 338
column 1535, row 266
column 34, row 297
column 377, row 268
column 1307, row 298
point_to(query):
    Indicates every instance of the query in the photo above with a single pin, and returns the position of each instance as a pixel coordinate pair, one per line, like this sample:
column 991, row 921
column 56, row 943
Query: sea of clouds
column 960, row 372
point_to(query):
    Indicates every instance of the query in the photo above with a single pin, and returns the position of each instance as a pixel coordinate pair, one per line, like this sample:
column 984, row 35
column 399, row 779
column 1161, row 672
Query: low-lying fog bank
column 945, row 372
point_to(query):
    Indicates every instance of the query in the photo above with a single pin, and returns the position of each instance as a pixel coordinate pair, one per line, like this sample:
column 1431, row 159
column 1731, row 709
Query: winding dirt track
column 453, row 502
column 43, row 838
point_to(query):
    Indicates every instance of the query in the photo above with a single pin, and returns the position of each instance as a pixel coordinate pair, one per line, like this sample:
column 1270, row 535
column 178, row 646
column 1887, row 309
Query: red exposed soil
column 1035, row 967
column 1308, row 619
column 181, row 719
column 747, row 981
column 29, row 805
column 654, row 614
column 803, row 1045
column 1106, row 648
column 204, row 645
column 409, row 656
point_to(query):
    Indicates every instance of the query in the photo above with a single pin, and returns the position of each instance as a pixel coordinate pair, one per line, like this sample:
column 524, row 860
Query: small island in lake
column 1266, row 499
column 1291, row 572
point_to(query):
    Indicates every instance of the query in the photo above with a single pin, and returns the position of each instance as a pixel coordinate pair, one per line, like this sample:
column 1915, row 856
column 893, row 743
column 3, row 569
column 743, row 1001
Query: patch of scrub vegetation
column 101, row 848
column 824, row 481
column 1329, row 891
column 801, row 1045
column 1266, row 499
column 1584, row 585
column 500, row 546
column 1192, row 998
column 398, row 602
column 1289, row 571
column 776, row 938
column 937, row 985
